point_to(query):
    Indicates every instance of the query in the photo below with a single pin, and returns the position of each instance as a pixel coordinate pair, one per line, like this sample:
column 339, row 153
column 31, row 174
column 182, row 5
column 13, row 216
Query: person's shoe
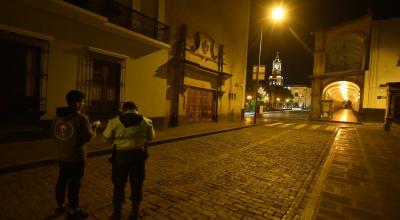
column 115, row 216
column 77, row 214
column 61, row 209
column 135, row 211
column 133, row 216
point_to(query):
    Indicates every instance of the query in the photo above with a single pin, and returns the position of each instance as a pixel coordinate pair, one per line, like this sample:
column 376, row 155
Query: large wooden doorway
column 200, row 105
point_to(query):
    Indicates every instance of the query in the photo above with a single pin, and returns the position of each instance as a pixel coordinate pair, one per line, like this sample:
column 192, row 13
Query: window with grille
column 23, row 72
column 102, row 79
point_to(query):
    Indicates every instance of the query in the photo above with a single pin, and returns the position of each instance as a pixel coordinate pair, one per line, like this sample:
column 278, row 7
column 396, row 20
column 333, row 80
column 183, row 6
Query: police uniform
column 129, row 132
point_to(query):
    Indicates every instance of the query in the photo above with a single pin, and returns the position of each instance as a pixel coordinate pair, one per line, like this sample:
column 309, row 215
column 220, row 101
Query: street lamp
column 249, row 97
column 277, row 14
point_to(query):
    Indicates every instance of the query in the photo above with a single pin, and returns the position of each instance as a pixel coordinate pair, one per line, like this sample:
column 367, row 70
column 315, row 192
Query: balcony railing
column 126, row 17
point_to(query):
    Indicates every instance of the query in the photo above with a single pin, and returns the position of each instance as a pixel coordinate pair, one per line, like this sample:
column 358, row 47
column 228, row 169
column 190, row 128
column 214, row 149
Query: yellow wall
column 71, row 39
column 227, row 22
column 73, row 31
column 384, row 56
column 146, row 84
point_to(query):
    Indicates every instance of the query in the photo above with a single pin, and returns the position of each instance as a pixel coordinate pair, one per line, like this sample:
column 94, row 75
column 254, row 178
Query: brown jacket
column 72, row 131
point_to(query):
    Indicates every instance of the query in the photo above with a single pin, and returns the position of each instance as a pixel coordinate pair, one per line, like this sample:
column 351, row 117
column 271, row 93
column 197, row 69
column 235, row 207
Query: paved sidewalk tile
column 363, row 178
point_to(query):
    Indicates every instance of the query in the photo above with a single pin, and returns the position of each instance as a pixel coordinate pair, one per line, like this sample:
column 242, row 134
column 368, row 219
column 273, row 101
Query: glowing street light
column 277, row 14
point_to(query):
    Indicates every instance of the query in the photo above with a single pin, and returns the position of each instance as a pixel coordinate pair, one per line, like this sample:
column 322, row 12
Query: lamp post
column 257, row 81
column 277, row 14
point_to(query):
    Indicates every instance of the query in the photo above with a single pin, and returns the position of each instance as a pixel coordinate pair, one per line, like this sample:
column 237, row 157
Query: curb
column 321, row 176
column 344, row 122
column 100, row 152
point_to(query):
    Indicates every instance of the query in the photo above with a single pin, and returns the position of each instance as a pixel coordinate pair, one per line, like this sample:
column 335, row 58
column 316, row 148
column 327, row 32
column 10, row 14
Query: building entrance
column 340, row 101
column 200, row 105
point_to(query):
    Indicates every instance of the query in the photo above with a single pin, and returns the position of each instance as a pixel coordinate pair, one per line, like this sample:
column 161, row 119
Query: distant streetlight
column 249, row 97
column 277, row 14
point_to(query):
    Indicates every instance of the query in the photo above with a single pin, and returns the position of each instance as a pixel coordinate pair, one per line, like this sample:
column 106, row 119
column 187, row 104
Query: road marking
column 314, row 127
column 300, row 126
column 285, row 125
column 277, row 123
column 330, row 128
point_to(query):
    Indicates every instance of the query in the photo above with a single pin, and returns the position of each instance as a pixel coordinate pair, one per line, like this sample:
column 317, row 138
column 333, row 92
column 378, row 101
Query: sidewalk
column 360, row 178
column 17, row 156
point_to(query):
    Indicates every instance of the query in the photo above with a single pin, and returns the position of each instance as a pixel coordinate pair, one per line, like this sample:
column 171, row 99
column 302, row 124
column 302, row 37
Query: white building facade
column 381, row 97
column 301, row 95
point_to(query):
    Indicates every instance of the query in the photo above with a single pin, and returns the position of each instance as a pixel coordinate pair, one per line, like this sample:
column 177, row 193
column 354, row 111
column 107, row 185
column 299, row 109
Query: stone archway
column 342, row 98
column 340, row 55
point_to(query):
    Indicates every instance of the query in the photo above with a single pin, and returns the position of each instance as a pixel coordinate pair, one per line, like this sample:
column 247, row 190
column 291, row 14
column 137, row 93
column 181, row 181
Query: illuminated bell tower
column 276, row 78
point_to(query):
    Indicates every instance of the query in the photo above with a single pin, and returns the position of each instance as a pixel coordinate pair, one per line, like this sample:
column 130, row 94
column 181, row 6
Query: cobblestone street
column 262, row 172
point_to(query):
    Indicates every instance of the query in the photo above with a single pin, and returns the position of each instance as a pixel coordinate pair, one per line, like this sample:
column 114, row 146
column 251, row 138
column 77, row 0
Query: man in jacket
column 72, row 131
column 129, row 133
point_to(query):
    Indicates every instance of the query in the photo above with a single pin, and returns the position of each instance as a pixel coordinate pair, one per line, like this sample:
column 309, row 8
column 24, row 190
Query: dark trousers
column 128, row 165
column 70, row 175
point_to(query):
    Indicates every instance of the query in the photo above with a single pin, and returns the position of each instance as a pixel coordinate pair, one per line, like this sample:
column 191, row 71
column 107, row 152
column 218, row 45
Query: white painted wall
column 384, row 56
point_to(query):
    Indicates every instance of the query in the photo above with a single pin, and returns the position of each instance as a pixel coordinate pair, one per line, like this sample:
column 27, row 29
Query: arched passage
column 344, row 99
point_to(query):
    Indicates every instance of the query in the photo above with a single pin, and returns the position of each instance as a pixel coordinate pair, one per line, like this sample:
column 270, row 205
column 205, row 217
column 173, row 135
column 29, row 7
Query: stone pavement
column 17, row 156
column 256, row 173
column 361, row 177
column 276, row 171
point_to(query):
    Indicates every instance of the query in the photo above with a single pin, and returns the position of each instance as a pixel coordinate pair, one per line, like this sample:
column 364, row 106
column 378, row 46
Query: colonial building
column 179, row 61
column 356, row 66
column 207, row 69
column 276, row 78
column 301, row 95
column 340, row 62
column 381, row 96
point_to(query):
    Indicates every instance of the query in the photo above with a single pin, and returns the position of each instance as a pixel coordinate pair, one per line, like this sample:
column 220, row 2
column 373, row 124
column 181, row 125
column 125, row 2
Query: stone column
column 315, row 109
column 318, row 72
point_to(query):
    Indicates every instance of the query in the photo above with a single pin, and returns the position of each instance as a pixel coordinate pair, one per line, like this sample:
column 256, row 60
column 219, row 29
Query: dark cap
column 129, row 106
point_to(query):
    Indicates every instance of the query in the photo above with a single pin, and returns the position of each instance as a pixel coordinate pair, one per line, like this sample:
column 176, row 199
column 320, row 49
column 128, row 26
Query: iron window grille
column 90, row 82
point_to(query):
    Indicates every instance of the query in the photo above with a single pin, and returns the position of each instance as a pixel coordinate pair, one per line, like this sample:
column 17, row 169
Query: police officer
column 129, row 133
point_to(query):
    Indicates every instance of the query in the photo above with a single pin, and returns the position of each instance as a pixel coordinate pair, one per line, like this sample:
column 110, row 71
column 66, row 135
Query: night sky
column 304, row 17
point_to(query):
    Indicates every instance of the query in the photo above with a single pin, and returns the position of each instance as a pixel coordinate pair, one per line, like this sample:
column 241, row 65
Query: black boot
column 115, row 216
column 135, row 211
column 117, row 206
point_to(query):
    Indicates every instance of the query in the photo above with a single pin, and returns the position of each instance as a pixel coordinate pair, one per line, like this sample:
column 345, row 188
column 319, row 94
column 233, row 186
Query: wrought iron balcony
column 126, row 17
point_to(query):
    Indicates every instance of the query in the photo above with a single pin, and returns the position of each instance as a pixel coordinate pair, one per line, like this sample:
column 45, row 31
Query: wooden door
column 200, row 105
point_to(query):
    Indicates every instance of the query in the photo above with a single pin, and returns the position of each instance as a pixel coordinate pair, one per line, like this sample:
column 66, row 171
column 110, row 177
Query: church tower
column 276, row 78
